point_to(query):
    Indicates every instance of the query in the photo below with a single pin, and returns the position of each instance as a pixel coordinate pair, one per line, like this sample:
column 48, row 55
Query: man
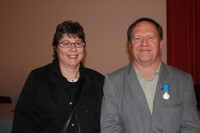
column 147, row 95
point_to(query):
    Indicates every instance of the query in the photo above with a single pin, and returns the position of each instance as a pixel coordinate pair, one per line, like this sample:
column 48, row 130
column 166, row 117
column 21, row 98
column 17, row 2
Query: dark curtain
column 183, row 36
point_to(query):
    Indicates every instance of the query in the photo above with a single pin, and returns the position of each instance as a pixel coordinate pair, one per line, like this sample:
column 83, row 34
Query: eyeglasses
column 68, row 44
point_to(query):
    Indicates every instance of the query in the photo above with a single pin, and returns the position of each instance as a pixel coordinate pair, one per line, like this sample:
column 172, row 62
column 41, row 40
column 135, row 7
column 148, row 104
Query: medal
column 166, row 96
column 166, row 90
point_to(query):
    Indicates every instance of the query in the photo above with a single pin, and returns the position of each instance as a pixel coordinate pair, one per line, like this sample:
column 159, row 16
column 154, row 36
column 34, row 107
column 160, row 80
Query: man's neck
column 145, row 70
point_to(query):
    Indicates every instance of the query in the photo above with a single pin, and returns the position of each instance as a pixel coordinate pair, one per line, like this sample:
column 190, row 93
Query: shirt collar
column 154, row 75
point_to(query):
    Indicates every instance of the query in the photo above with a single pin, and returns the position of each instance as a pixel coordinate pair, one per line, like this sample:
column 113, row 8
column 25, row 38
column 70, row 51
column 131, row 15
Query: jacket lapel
column 137, row 91
column 158, row 100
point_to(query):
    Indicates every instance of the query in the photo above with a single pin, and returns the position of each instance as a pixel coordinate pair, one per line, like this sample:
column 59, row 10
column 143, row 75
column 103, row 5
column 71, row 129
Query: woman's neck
column 71, row 74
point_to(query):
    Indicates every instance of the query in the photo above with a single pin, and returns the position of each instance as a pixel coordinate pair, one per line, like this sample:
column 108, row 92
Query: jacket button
column 70, row 103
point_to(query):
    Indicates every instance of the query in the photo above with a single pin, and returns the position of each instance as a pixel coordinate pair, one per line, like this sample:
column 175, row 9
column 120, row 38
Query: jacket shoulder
column 176, row 74
column 41, row 72
column 43, row 69
column 120, row 72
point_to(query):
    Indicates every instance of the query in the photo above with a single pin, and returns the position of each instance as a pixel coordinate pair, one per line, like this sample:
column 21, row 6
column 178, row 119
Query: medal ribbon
column 165, row 87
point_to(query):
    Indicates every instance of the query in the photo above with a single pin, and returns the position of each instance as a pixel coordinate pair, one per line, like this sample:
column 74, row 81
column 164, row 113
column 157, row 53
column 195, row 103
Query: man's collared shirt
column 149, row 86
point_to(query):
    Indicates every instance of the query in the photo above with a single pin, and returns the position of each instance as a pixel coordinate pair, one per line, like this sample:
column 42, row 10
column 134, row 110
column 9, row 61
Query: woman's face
column 70, row 57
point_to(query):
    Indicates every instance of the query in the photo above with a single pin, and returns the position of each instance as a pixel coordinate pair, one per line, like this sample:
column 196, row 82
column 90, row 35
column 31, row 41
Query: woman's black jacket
column 47, row 99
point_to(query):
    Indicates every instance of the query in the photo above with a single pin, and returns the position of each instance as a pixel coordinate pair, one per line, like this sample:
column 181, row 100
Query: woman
column 62, row 96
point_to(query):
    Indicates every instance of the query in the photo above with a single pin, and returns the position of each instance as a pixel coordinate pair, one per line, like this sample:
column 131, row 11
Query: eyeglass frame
column 70, row 44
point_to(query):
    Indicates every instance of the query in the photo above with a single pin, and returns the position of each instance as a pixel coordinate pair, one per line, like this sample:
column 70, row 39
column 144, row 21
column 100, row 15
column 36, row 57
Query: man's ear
column 129, row 50
column 161, row 44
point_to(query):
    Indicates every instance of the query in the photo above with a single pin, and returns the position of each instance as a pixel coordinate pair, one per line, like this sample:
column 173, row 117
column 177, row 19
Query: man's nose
column 144, row 42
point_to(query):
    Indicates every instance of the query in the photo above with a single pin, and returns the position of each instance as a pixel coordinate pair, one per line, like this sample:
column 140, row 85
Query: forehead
column 144, row 27
column 69, row 36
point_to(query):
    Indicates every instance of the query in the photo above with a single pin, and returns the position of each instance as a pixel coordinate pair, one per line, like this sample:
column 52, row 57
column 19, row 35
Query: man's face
column 145, row 43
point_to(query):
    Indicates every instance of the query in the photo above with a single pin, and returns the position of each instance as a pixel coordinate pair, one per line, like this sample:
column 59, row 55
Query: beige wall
column 27, row 28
